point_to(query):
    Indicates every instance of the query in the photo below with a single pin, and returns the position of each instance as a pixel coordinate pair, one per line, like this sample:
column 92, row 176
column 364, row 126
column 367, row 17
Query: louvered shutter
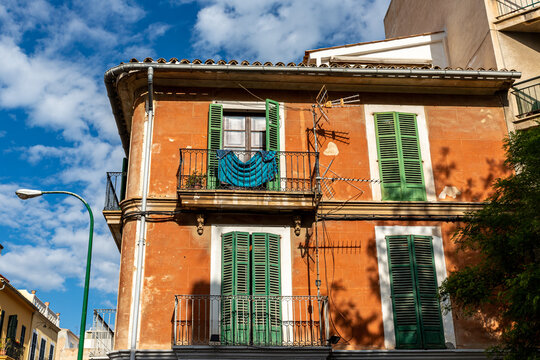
column 413, row 179
column 235, row 288
column 215, row 126
column 266, row 287
column 404, row 304
column 42, row 349
column 23, row 334
column 12, row 327
column 389, row 159
column 274, row 288
column 33, row 347
column 426, row 285
column 272, row 137
column 2, row 316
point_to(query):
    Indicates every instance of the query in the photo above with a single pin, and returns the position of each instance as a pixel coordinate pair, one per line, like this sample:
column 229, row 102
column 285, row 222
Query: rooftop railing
column 527, row 95
column 114, row 190
column 506, row 7
column 290, row 321
column 286, row 171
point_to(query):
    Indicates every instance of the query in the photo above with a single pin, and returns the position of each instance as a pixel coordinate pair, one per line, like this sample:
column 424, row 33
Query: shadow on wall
column 352, row 317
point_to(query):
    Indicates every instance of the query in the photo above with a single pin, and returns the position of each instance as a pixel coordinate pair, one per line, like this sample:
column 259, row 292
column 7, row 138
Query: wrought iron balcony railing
column 101, row 335
column 286, row 171
column 114, row 191
column 291, row 321
column 11, row 348
column 527, row 95
column 511, row 6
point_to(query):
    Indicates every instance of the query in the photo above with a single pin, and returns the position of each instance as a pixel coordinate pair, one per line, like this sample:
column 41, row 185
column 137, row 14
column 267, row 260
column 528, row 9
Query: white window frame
column 381, row 232
column 423, row 139
column 285, row 262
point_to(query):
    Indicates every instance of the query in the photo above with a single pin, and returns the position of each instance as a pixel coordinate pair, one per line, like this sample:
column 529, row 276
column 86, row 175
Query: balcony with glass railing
column 247, row 179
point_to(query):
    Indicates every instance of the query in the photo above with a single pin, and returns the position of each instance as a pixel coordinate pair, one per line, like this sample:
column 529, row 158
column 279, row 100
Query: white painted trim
column 384, row 277
column 215, row 259
column 423, row 138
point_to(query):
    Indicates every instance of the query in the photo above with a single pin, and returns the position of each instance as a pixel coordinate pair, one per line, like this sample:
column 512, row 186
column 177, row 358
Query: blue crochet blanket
column 261, row 168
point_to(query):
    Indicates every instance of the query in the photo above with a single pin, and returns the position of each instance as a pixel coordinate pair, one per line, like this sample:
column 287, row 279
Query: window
column 23, row 334
column 42, row 349
column 400, row 160
column 2, row 315
column 12, row 327
column 250, row 288
column 51, row 352
column 416, row 310
column 241, row 132
column 33, row 347
column 407, row 275
column 402, row 177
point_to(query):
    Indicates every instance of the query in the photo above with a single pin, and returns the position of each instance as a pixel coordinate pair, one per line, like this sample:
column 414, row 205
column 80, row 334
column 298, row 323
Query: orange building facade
column 259, row 217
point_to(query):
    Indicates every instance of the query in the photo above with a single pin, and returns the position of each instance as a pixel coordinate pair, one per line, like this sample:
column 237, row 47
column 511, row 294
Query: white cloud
column 280, row 30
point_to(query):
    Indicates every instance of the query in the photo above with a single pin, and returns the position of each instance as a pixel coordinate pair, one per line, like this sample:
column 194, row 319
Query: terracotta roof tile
column 212, row 62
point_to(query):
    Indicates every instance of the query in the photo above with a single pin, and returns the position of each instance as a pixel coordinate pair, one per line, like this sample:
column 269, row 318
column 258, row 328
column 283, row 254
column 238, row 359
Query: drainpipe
column 142, row 221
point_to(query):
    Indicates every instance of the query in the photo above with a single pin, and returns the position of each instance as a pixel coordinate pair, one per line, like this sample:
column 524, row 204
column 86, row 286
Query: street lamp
column 27, row 194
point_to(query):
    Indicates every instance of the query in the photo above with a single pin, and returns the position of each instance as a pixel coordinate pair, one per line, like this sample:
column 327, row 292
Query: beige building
column 500, row 34
column 28, row 327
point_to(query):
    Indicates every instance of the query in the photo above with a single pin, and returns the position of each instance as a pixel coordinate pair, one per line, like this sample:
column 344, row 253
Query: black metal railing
column 11, row 348
column 291, row 321
column 511, row 6
column 527, row 95
column 114, row 192
column 287, row 171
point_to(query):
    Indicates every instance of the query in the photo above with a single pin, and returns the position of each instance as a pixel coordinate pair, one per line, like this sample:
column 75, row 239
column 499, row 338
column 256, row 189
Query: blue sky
column 56, row 127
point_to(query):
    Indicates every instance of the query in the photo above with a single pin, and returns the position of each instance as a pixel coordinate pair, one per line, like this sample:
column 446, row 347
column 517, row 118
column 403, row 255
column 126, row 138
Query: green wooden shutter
column 266, row 288
column 400, row 162
column 33, row 346
column 404, row 304
column 413, row 178
column 215, row 141
column 2, row 316
column 23, row 334
column 235, row 326
column 272, row 137
column 389, row 159
column 42, row 349
column 12, row 327
column 426, row 286
column 274, row 289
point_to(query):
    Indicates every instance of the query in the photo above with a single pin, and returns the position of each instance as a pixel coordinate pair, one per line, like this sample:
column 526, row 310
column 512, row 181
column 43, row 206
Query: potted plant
column 195, row 180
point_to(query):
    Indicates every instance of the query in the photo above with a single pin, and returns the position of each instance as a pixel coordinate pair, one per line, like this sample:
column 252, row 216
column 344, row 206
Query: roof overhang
column 125, row 80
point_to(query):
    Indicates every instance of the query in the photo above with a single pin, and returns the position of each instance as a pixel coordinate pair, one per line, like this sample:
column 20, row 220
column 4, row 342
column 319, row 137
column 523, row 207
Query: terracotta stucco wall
column 465, row 135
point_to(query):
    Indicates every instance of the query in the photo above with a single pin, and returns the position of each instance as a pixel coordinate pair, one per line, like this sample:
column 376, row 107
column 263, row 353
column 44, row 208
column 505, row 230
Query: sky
column 57, row 131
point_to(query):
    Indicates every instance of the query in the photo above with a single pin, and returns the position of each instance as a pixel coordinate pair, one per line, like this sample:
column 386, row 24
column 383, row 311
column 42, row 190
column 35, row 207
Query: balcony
column 100, row 338
column 527, row 95
column 113, row 195
column 518, row 15
column 11, row 348
column 263, row 321
column 281, row 180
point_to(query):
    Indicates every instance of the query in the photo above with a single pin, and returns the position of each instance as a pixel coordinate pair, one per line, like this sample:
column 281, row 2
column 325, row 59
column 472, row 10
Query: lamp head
column 28, row 193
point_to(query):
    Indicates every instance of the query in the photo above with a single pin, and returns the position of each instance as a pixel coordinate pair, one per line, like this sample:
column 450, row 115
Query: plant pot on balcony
column 195, row 180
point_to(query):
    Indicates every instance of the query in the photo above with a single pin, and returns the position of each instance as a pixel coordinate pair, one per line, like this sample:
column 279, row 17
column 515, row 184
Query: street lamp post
column 27, row 194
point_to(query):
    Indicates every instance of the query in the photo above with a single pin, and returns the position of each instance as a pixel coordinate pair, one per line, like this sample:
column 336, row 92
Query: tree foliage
column 506, row 236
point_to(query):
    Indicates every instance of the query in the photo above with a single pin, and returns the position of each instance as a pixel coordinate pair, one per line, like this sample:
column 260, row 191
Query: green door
column 251, row 289
column 413, row 281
